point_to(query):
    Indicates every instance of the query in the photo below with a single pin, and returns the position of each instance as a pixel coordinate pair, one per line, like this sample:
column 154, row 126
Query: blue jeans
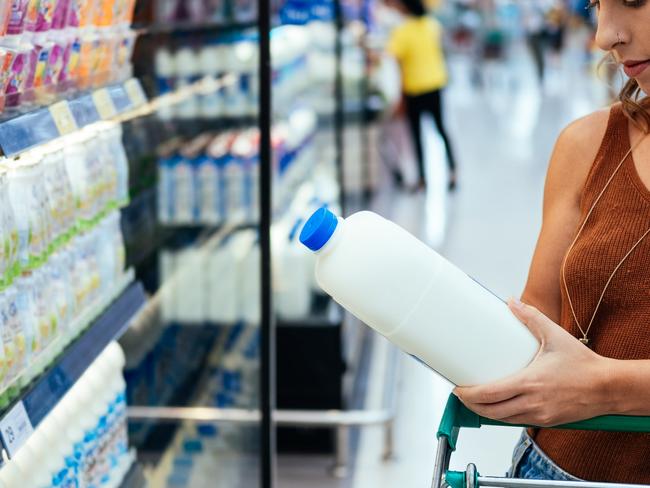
column 530, row 462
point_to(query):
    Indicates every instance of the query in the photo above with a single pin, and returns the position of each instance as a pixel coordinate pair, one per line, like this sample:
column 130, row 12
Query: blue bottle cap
column 318, row 229
column 207, row 430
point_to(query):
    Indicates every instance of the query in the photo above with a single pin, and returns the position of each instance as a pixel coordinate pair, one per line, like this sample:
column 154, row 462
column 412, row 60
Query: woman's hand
column 566, row 381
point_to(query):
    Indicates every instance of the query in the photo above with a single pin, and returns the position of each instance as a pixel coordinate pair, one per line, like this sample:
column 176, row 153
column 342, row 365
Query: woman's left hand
column 566, row 381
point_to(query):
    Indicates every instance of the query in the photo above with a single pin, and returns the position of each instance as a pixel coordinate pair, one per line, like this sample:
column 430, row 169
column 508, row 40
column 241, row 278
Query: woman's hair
column 635, row 106
column 415, row 7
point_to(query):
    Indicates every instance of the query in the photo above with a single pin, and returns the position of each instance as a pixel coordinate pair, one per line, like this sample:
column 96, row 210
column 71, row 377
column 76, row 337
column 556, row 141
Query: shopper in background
column 417, row 46
column 533, row 17
column 556, row 19
column 589, row 274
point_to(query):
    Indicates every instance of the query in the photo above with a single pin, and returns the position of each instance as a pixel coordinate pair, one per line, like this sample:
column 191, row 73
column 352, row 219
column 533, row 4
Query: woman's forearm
column 628, row 387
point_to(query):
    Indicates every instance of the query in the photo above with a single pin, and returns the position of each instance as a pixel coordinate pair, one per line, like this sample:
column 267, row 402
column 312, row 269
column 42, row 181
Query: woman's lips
column 635, row 68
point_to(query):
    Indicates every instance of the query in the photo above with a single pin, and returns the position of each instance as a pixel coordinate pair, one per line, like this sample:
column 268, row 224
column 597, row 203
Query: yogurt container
column 16, row 24
column 39, row 16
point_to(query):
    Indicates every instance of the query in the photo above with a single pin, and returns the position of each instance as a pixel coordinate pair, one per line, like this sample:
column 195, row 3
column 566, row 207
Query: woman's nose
column 609, row 32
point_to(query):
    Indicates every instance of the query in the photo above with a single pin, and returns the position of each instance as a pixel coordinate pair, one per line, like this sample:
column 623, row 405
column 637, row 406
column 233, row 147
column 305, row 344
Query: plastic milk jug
column 416, row 298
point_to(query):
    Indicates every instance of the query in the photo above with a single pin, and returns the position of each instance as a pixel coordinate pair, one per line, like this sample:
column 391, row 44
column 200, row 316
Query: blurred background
column 262, row 112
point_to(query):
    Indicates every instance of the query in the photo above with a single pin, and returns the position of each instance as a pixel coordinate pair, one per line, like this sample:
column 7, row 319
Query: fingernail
column 517, row 303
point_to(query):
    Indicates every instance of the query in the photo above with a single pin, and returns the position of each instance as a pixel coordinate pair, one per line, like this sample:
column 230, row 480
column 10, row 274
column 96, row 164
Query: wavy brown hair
column 636, row 107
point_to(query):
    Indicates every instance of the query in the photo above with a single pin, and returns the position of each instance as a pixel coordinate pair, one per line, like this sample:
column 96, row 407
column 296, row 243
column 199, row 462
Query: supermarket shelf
column 120, row 103
column 41, row 126
column 18, row 422
column 193, row 27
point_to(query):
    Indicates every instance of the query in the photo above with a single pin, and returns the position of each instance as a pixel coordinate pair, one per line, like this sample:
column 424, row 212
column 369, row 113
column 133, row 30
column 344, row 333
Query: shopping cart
column 456, row 415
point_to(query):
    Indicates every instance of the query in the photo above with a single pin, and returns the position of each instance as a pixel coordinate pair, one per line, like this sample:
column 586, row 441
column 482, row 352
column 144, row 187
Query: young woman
column 417, row 46
column 591, row 275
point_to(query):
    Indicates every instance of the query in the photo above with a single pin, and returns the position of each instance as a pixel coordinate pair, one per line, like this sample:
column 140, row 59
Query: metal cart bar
column 471, row 479
column 456, row 415
column 512, row 483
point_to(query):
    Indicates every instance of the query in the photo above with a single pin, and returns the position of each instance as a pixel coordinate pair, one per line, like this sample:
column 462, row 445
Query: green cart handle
column 458, row 415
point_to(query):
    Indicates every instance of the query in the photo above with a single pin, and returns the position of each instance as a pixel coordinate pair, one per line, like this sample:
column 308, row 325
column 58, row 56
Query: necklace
column 585, row 332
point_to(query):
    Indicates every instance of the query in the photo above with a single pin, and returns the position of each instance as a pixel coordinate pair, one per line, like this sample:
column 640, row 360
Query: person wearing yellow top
column 417, row 46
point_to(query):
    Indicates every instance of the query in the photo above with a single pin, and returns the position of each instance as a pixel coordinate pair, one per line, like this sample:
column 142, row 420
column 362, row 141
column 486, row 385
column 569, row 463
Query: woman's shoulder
column 582, row 138
column 576, row 149
column 588, row 131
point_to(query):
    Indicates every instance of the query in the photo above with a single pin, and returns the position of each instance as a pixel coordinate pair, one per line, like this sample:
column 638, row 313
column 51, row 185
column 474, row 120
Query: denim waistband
column 530, row 462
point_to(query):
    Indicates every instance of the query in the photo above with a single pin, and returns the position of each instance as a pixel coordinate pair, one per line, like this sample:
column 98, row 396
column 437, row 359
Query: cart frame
column 456, row 415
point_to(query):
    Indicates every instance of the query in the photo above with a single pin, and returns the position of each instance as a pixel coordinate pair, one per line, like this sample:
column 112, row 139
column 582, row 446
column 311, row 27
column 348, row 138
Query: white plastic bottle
column 221, row 294
column 24, row 461
column 210, row 62
column 118, row 445
column 69, row 414
column 49, row 452
column 416, row 298
column 292, row 279
column 89, row 417
column 246, row 252
column 65, row 427
column 188, row 69
column 11, row 476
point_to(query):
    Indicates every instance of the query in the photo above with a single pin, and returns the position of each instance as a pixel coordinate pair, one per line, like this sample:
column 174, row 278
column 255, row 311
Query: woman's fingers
column 496, row 392
column 503, row 410
column 538, row 323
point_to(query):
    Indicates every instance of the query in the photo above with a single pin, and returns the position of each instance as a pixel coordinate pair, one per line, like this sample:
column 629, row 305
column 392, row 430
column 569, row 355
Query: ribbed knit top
column 620, row 328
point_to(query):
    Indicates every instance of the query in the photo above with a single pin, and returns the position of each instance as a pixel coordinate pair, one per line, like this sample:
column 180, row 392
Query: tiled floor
column 504, row 134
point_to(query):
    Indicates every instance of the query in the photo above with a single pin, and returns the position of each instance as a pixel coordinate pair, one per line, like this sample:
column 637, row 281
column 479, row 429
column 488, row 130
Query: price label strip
column 63, row 118
column 15, row 429
column 104, row 104
column 136, row 93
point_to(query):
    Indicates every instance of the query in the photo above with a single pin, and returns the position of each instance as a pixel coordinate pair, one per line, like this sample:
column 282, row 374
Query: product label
column 21, row 318
column 12, row 336
column 41, row 67
column 15, row 429
column 63, row 118
column 234, row 191
column 104, row 104
column 18, row 74
column 208, row 194
column 184, row 192
column 72, row 71
column 17, row 17
column 9, row 352
column 135, row 92
column 55, row 66
column 166, row 192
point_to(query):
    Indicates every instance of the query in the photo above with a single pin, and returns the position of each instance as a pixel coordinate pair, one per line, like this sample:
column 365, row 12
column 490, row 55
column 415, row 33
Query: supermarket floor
column 503, row 133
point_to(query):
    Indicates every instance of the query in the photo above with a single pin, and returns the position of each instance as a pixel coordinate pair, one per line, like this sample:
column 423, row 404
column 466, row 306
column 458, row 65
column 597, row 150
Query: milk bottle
column 416, row 298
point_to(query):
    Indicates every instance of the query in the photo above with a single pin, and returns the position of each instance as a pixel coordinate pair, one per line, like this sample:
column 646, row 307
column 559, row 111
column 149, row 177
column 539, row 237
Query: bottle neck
column 336, row 236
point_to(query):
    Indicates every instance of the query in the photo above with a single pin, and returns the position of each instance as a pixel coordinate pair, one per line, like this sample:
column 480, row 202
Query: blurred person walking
column 534, row 20
column 417, row 45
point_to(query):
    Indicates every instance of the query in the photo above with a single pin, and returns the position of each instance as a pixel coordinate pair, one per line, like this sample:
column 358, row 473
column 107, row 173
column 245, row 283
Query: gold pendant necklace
column 585, row 332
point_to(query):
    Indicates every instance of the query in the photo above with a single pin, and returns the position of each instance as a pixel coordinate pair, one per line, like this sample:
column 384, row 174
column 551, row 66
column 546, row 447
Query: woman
column 590, row 275
column 417, row 46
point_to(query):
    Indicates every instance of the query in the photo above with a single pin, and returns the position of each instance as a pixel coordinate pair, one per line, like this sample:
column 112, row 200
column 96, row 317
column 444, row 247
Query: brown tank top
column 620, row 328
